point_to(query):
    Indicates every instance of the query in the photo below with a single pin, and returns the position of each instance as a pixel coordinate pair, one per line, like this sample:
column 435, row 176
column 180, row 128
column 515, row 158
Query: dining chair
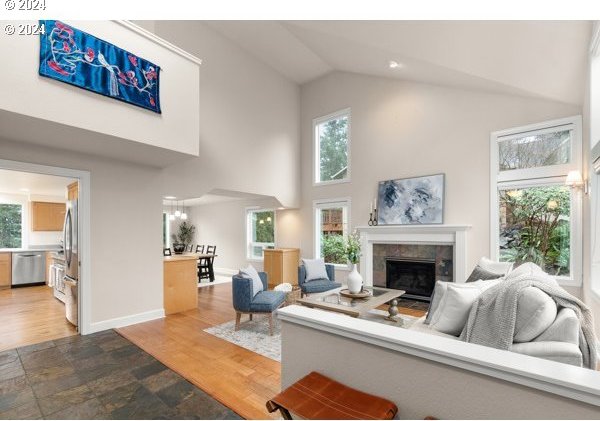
column 211, row 249
column 205, row 268
column 166, row 251
column 191, row 249
column 200, row 248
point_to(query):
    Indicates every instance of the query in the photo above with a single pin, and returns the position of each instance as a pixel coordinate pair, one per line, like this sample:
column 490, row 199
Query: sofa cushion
column 267, row 301
column 250, row 272
column 565, row 328
column 562, row 352
column 481, row 274
column 315, row 269
column 496, row 267
column 319, row 286
column 454, row 309
column 536, row 311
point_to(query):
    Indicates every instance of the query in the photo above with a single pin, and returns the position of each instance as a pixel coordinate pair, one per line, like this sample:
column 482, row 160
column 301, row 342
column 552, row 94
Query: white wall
column 249, row 114
column 177, row 128
column 224, row 225
column 405, row 129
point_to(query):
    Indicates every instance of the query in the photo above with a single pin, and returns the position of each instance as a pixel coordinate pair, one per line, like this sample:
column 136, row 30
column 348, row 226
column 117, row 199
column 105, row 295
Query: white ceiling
column 216, row 196
column 12, row 182
column 543, row 59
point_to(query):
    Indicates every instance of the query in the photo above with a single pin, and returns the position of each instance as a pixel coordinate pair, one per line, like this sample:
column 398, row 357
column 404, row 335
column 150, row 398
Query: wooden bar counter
column 180, row 283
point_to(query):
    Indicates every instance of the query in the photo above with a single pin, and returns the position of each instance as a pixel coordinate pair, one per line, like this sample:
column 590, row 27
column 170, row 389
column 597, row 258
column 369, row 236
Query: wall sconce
column 575, row 180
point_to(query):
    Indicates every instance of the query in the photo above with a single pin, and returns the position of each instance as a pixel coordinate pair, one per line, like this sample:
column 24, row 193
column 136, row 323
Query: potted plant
column 352, row 251
column 184, row 237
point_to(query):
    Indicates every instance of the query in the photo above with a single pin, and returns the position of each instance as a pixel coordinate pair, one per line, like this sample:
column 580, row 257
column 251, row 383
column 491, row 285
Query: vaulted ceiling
column 542, row 59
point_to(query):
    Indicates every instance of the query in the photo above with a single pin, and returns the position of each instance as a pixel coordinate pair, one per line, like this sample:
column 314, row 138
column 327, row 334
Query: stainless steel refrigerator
column 71, row 278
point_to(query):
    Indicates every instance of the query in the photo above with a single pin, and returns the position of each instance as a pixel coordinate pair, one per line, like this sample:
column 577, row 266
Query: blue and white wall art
column 411, row 201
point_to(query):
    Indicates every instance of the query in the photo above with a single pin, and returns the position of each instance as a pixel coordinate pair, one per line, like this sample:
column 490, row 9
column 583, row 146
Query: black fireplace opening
column 415, row 276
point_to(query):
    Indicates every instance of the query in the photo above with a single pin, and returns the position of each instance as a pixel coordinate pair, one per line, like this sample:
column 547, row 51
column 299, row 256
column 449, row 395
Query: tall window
column 166, row 227
column 10, row 225
column 260, row 224
column 535, row 217
column 331, row 228
column 332, row 147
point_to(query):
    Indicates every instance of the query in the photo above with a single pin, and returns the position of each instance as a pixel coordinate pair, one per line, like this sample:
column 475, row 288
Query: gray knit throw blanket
column 492, row 318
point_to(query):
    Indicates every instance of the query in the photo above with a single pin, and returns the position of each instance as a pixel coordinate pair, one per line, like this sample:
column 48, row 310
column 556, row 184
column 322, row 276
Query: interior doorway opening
column 44, row 242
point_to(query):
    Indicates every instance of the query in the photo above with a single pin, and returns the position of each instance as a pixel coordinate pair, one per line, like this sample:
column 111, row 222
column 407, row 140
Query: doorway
column 45, row 254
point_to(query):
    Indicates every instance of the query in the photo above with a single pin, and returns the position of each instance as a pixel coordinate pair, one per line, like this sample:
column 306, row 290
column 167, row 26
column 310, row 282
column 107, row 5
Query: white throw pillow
column 442, row 288
column 496, row 267
column 315, row 269
column 454, row 309
column 536, row 311
column 250, row 272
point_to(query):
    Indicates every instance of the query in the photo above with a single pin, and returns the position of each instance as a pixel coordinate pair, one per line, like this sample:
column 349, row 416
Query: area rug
column 218, row 280
column 254, row 334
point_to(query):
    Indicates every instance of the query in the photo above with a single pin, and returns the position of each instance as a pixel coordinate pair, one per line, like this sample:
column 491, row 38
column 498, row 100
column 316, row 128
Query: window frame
column 249, row 211
column 320, row 204
column 317, row 147
column 537, row 177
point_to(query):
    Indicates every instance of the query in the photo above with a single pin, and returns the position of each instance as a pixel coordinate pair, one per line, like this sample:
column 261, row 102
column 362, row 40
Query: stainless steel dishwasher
column 28, row 267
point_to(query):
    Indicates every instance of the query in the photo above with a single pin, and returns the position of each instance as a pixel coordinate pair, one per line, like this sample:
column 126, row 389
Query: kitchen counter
column 180, row 283
column 37, row 248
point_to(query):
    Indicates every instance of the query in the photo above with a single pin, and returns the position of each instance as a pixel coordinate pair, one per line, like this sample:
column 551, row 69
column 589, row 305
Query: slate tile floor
column 99, row 376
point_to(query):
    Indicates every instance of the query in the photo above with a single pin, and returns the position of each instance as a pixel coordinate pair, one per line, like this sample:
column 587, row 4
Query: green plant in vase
column 352, row 251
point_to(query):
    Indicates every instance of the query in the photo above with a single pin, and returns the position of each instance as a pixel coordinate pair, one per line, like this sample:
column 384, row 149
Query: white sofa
column 542, row 329
column 559, row 342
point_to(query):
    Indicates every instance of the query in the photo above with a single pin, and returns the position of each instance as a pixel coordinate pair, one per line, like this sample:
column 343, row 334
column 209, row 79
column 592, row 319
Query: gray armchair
column 317, row 285
column 245, row 302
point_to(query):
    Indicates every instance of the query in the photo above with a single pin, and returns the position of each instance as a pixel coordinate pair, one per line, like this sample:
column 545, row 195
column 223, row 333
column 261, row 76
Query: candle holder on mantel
column 373, row 218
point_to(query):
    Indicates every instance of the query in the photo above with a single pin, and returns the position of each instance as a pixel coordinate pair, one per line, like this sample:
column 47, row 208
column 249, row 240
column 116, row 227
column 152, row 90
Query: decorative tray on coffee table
column 363, row 294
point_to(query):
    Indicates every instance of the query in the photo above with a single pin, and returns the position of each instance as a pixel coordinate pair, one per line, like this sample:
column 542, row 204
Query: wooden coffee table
column 355, row 307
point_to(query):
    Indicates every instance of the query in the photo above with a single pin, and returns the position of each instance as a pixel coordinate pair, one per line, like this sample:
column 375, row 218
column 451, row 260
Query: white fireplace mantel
column 454, row 235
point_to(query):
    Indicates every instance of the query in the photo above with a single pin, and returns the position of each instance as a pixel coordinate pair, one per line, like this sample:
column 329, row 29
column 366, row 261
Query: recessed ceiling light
column 170, row 197
column 395, row 65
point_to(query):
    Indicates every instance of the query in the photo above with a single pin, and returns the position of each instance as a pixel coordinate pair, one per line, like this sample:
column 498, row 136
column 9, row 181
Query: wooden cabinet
column 5, row 270
column 47, row 216
column 281, row 265
column 180, row 284
column 73, row 191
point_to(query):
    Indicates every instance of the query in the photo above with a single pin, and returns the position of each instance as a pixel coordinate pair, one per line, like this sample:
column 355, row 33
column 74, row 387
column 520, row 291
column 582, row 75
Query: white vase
column 355, row 281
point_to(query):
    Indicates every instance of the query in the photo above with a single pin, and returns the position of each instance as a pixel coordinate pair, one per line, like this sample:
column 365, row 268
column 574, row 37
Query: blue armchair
column 317, row 285
column 244, row 302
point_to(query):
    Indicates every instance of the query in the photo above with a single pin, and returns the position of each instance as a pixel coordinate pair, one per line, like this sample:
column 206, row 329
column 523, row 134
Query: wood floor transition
column 235, row 376
column 31, row 315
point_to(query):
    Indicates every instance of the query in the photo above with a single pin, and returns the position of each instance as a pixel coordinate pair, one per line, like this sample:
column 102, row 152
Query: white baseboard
column 126, row 320
column 225, row 271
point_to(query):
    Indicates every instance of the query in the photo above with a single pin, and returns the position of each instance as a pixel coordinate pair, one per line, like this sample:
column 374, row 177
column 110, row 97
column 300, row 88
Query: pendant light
column 184, row 215
column 171, row 215
column 177, row 212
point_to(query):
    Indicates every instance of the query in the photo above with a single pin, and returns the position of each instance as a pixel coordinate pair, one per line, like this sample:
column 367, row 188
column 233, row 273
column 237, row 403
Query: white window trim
column 248, row 211
column 316, row 148
column 536, row 177
column 328, row 204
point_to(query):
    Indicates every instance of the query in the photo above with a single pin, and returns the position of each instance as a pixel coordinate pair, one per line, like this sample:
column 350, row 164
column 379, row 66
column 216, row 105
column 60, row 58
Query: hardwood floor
column 238, row 378
column 31, row 315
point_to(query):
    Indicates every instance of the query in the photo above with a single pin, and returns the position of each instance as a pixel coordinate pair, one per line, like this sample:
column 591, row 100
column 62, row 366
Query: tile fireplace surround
column 410, row 239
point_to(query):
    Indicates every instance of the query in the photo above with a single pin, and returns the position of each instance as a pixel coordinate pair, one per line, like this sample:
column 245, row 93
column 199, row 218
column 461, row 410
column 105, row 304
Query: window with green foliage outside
column 332, row 144
column 535, row 226
column 10, row 225
column 261, row 232
column 332, row 230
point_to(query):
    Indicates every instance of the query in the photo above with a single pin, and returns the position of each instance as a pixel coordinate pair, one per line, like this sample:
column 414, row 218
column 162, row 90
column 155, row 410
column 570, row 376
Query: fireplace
column 415, row 276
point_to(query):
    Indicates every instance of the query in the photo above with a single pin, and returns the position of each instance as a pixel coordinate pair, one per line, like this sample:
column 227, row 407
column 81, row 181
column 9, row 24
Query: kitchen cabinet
column 47, row 216
column 5, row 270
column 73, row 191
column 180, row 283
column 281, row 265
